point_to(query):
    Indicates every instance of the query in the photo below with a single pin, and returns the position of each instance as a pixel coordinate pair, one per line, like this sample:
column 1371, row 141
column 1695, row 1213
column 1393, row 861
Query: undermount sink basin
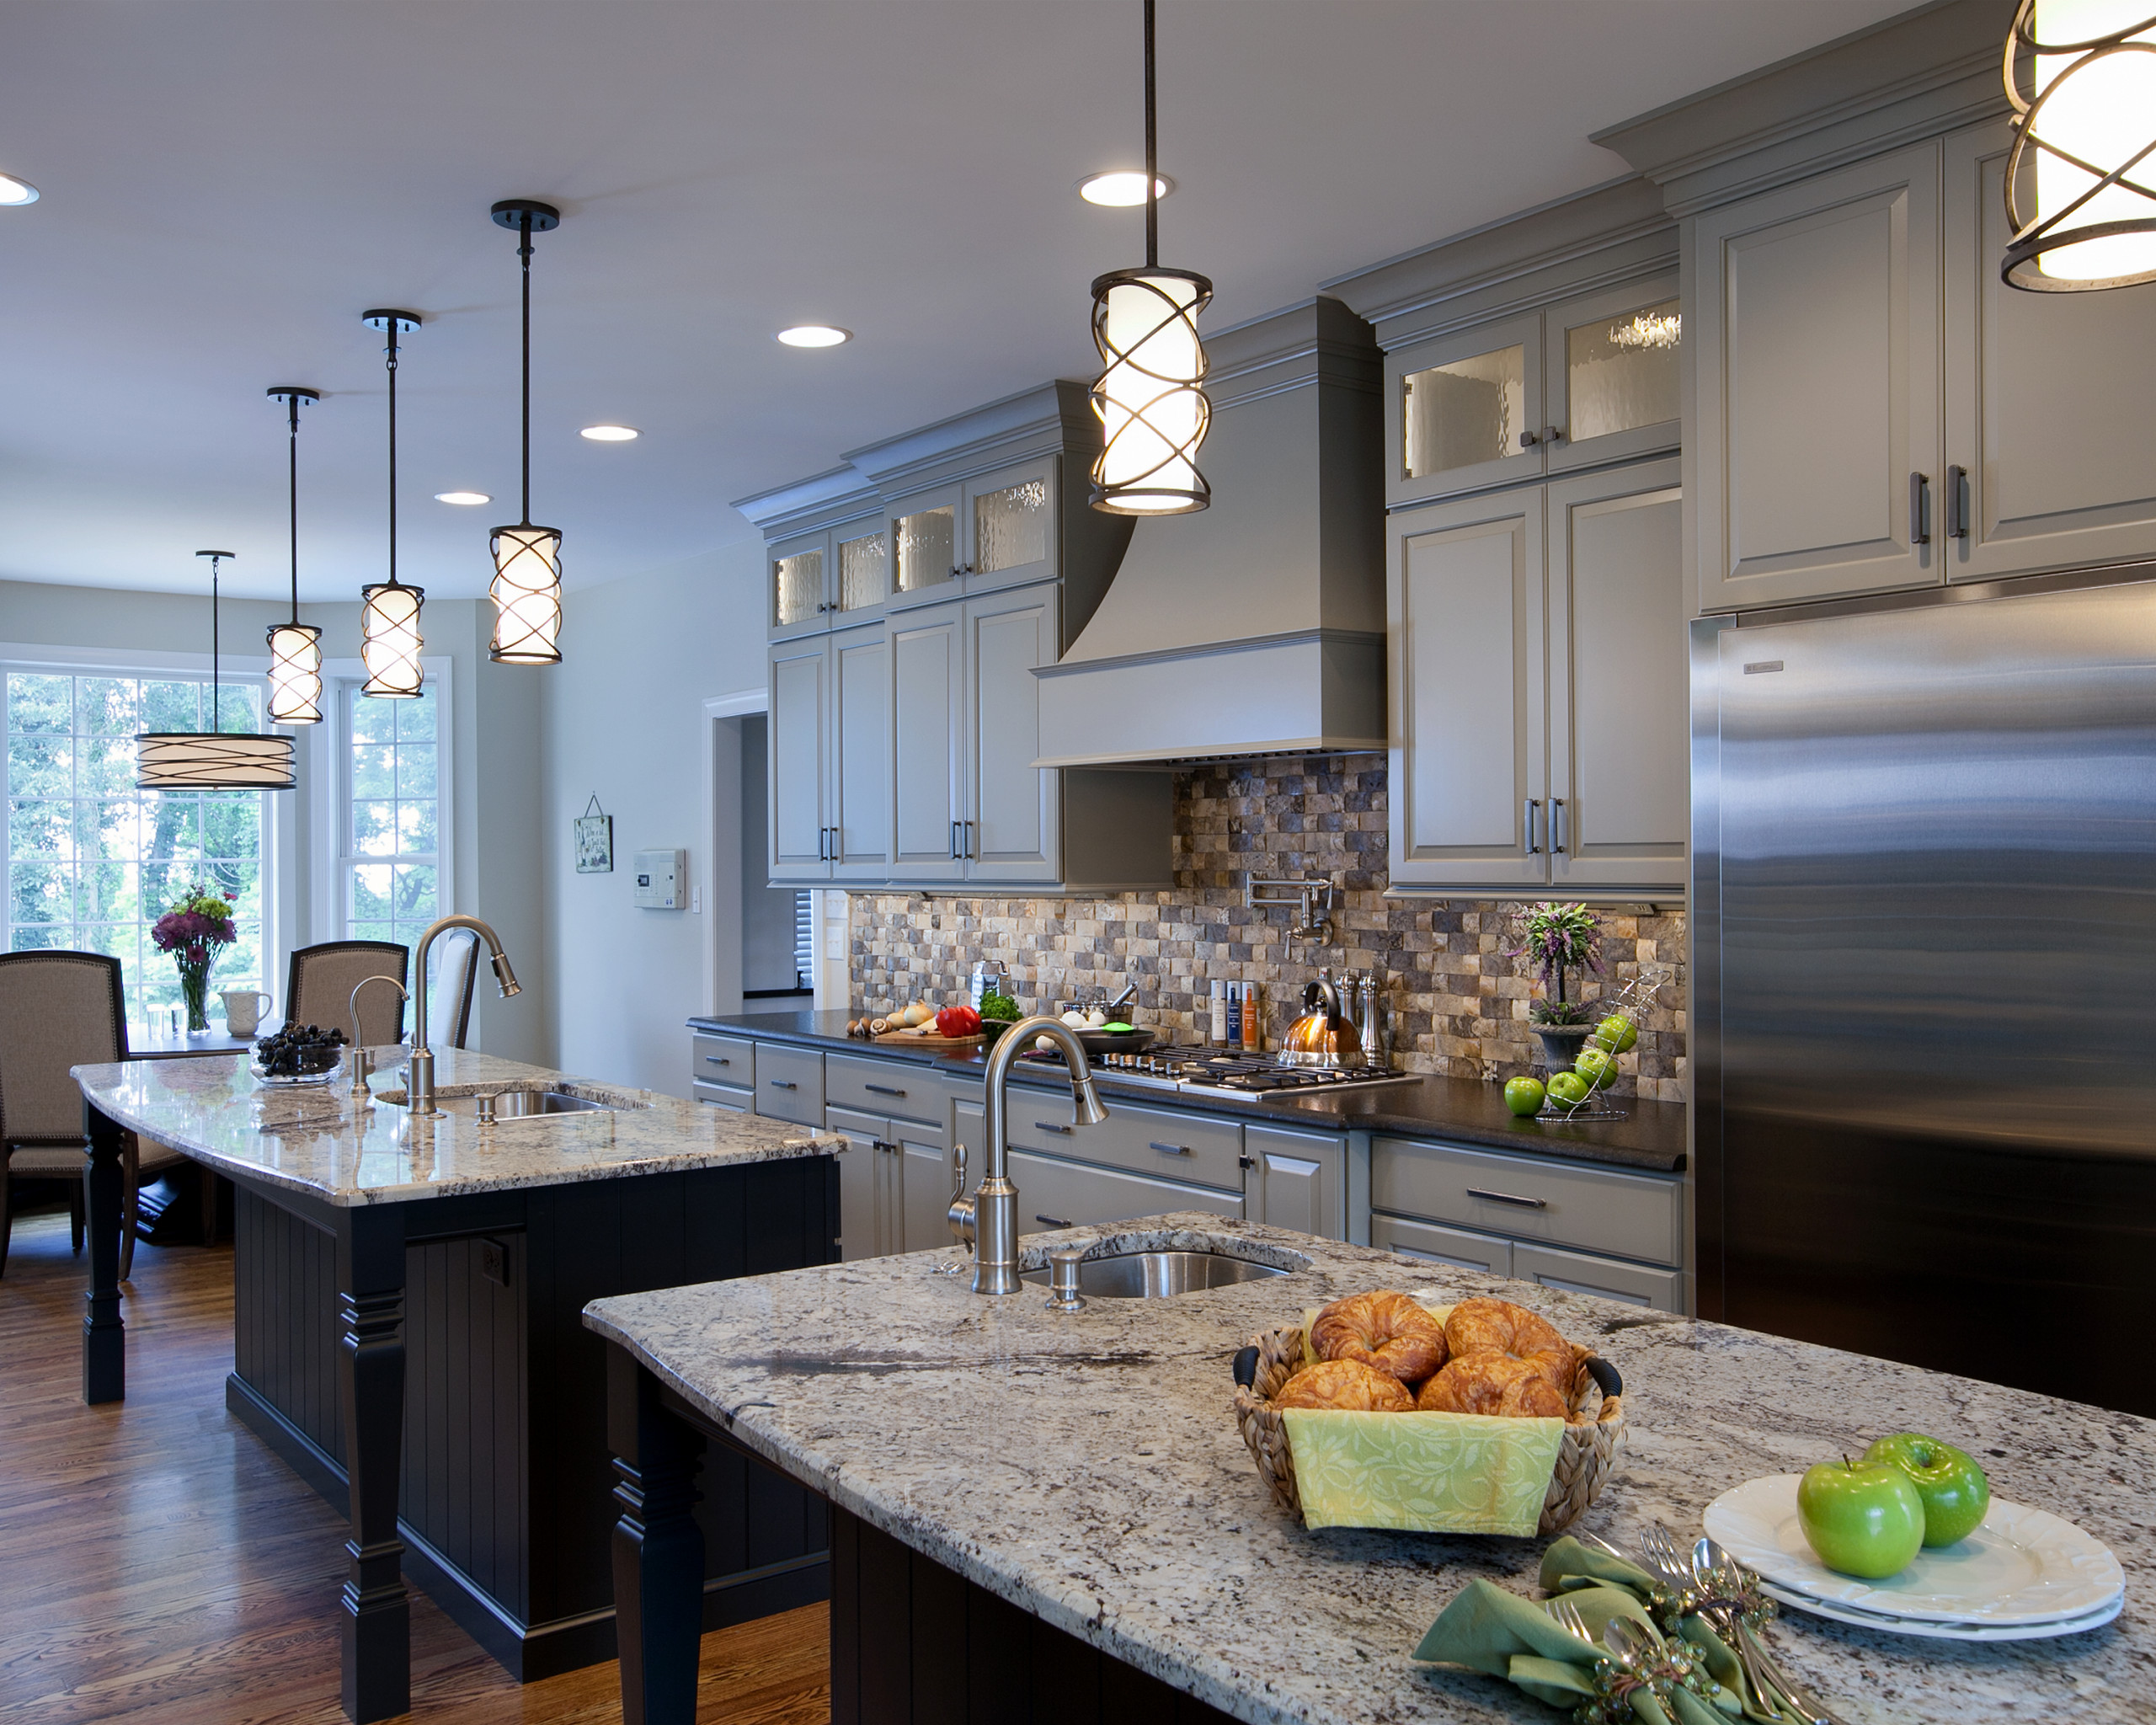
column 509, row 1104
column 1159, row 1275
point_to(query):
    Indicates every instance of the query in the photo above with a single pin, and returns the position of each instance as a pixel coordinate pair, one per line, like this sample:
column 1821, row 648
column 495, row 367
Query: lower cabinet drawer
column 902, row 1089
column 741, row 1099
column 1060, row 1194
column 1577, row 1273
column 1564, row 1203
column 790, row 1083
column 722, row 1060
column 1199, row 1150
column 1453, row 1246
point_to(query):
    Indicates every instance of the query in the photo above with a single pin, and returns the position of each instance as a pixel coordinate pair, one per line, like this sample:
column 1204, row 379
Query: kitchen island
column 407, row 1294
column 1027, row 1503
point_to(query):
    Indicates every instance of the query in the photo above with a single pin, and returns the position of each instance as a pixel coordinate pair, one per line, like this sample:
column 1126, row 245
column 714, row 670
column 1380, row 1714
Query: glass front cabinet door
column 1467, row 410
column 797, row 581
column 1611, row 364
column 927, row 541
column 1011, row 522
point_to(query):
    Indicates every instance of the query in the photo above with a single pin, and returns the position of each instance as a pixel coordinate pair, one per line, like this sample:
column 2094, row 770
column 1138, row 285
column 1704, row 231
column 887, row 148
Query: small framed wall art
column 595, row 840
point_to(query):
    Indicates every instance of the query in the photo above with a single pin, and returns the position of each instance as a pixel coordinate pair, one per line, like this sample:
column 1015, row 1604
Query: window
column 804, row 940
column 91, row 861
column 389, row 863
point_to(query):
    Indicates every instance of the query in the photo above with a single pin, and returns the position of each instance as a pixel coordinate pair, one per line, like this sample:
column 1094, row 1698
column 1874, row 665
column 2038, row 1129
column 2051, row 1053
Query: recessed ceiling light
column 814, row 335
column 1122, row 187
column 462, row 496
column 16, row 192
column 610, row 434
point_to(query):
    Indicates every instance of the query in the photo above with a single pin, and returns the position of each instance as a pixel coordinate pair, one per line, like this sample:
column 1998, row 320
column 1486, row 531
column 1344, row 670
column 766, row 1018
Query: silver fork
column 1665, row 1558
column 1562, row 1612
column 1659, row 1548
column 1718, row 1572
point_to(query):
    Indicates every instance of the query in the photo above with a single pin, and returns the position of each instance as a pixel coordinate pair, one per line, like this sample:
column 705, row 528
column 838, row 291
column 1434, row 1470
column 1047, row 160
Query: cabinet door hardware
column 1509, row 1198
column 1527, row 439
column 1553, row 434
column 954, row 841
column 783, row 1084
column 822, row 844
column 1957, row 518
column 1528, row 808
column 1055, row 1221
column 1560, row 826
column 966, row 838
column 1244, row 1162
column 885, row 1090
column 1051, row 1126
column 1170, row 1149
column 1918, row 485
column 718, row 1060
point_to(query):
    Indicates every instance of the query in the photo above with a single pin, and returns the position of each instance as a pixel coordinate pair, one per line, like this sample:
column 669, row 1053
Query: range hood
column 1256, row 626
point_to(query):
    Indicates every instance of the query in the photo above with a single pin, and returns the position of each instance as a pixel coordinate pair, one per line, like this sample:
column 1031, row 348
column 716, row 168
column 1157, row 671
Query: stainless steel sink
column 1159, row 1275
column 509, row 1104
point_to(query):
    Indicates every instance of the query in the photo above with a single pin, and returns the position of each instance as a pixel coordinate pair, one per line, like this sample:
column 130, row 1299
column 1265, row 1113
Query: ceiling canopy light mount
column 215, row 760
column 389, row 610
column 527, row 584
column 1150, row 397
column 2090, row 126
column 295, row 647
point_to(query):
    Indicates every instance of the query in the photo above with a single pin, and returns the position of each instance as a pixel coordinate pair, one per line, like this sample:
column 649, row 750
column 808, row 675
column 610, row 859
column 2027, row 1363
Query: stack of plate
column 2025, row 1575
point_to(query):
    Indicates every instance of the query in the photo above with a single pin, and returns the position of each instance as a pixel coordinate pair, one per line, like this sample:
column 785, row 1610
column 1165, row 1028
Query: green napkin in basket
column 1491, row 1629
column 1423, row 1473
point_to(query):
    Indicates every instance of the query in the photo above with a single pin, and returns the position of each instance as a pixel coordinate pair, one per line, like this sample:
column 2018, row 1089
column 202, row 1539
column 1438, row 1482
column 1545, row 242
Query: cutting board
column 933, row 1040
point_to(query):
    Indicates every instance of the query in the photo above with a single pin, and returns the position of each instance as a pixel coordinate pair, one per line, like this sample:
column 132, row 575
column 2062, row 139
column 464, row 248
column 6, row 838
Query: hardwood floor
column 161, row 1565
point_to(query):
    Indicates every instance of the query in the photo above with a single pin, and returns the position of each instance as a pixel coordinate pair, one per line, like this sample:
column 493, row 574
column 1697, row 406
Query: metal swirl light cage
column 2091, row 126
column 1154, row 412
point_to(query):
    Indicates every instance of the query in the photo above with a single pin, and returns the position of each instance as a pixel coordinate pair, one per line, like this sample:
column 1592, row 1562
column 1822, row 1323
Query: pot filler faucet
column 988, row 1221
column 419, row 1073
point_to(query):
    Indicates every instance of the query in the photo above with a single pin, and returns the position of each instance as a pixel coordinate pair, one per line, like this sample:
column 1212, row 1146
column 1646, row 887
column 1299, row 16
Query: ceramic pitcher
column 243, row 1010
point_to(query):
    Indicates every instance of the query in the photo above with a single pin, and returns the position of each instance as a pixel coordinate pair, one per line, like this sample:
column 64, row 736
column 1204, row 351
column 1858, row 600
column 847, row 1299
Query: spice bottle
column 1235, row 1027
column 1218, row 1030
column 1253, row 1037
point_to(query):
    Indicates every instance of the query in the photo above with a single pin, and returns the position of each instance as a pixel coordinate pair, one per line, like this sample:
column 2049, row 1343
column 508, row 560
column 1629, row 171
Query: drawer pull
column 1172, row 1149
column 1051, row 1126
column 1055, row 1221
column 1509, row 1198
column 783, row 1084
column 718, row 1060
column 884, row 1090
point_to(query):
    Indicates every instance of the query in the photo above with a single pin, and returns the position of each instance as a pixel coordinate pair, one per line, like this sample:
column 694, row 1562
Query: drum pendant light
column 215, row 760
column 295, row 648
column 389, row 610
column 2090, row 126
column 1153, row 410
column 527, row 584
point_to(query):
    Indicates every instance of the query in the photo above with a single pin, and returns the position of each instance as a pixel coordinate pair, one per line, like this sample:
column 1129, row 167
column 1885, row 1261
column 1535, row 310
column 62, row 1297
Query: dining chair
column 453, row 961
column 58, row 1010
column 318, row 989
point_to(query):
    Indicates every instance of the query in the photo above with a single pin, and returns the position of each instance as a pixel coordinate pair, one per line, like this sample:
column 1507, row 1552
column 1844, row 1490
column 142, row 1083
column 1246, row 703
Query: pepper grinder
column 1369, row 1022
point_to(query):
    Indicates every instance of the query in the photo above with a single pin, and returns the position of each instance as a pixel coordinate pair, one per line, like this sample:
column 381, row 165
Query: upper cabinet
column 828, row 579
column 996, row 530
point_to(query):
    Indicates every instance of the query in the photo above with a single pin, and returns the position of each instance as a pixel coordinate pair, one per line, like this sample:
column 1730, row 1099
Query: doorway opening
column 777, row 923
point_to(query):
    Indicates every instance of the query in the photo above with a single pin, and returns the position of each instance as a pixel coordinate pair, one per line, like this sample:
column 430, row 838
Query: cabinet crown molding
column 1916, row 76
column 1054, row 417
column 821, row 500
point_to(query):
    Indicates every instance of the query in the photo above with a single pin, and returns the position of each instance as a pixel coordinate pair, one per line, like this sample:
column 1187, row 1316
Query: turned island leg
column 104, row 1335
column 658, row 1550
column 378, row 1624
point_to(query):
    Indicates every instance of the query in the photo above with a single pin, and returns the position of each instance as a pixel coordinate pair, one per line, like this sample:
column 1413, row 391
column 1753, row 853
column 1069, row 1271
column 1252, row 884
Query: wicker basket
column 1584, row 1458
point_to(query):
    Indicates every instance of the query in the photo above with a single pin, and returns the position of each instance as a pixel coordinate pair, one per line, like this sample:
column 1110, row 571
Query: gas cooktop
column 1230, row 1075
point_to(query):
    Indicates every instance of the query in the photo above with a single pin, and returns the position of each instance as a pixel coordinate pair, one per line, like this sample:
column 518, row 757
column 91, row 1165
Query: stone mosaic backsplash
column 1457, row 1000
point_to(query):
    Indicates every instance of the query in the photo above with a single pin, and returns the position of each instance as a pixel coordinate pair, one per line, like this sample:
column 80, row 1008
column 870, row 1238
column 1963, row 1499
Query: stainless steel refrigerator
column 1923, row 1031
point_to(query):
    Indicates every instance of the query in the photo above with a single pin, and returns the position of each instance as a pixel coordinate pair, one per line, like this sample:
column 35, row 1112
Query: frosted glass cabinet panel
column 797, row 587
column 864, row 569
column 1621, row 372
column 1461, row 406
column 927, row 541
column 1013, row 521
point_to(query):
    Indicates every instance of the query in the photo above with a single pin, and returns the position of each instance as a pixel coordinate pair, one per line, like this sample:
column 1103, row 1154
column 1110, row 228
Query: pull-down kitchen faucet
column 988, row 1221
column 419, row 1070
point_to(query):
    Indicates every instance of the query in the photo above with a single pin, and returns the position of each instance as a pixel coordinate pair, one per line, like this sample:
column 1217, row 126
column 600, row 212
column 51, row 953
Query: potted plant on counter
column 1559, row 938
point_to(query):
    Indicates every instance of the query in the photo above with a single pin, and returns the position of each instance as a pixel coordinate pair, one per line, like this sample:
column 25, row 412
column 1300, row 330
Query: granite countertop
column 1463, row 1110
column 1088, row 1469
column 314, row 1138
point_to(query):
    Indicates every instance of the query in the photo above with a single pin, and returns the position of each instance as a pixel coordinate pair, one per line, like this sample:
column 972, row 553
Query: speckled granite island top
column 1087, row 1468
column 317, row 1138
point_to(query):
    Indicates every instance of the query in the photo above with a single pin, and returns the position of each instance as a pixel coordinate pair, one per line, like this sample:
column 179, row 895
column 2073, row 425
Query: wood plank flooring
column 159, row 1564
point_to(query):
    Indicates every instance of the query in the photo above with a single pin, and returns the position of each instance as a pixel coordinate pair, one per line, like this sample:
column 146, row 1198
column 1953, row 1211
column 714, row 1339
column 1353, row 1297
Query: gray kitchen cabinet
column 1580, row 1273
column 1460, row 1247
column 790, row 1083
column 1295, row 1180
column 894, row 1184
column 828, row 579
column 1613, row 376
column 921, row 1164
column 1539, row 687
column 1054, row 1194
column 1815, row 408
column 1525, row 1198
column 799, row 753
column 861, row 1204
column 722, row 1069
column 1008, row 832
column 859, row 846
column 993, row 529
column 928, row 727
column 2046, row 398
column 902, row 1089
column 927, row 531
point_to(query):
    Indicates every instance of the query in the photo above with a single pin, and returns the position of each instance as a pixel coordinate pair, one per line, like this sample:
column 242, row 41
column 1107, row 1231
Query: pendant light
column 389, row 610
column 295, row 648
column 527, row 586
column 215, row 760
column 1153, row 410
column 2091, row 127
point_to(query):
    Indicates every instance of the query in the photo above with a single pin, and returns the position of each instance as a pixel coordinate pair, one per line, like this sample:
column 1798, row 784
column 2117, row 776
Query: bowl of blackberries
column 299, row 1054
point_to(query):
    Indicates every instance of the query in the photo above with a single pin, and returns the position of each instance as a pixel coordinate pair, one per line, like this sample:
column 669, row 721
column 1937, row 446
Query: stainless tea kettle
column 1325, row 1035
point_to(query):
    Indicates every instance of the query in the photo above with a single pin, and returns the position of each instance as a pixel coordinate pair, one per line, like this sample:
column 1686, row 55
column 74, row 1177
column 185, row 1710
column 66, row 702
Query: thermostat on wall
column 662, row 879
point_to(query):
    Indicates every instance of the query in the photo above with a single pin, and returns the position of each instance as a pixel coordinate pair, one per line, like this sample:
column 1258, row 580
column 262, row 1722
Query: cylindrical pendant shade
column 295, row 674
column 212, row 760
column 527, row 594
column 389, row 639
column 1153, row 414
column 2091, row 130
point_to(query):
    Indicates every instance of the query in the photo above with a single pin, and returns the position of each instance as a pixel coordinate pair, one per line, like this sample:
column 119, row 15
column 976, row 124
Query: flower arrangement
column 1559, row 938
column 196, row 925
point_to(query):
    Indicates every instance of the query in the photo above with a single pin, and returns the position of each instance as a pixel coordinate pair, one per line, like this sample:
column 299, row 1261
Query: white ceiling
column 228, row 183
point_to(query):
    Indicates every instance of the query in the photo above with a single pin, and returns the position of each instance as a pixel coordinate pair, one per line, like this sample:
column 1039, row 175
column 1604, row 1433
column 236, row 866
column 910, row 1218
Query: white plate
column 2022, row 1567
column 1946, row 1631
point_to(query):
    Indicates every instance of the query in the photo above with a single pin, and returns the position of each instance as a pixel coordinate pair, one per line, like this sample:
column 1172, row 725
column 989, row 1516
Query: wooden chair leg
column 130, row 1179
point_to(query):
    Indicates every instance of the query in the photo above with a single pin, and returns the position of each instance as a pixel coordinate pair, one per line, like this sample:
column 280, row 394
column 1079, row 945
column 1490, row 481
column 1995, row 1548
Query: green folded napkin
column 1423, row 1473
column 1490, row 1629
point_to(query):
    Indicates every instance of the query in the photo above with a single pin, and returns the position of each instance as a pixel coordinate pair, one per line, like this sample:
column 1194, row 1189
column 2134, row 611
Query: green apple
column 1597, row 1065
column 1616, row 1032
column 1523, row 1096
column 1568, row 1089
column 1954, row 1491
column 1864, row 1519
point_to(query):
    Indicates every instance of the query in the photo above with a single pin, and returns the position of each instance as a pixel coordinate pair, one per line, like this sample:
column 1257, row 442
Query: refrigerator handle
column 1917, row 534
column 1527, row 823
